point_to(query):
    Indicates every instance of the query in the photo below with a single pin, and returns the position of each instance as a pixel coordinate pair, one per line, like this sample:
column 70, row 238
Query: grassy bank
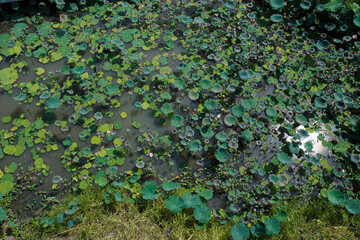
column 151, row 220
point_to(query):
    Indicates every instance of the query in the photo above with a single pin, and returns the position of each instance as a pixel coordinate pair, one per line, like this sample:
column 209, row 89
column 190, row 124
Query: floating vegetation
column 247, row 104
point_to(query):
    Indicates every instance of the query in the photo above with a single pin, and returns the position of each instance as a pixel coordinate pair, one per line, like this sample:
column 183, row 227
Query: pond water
column 237, row 110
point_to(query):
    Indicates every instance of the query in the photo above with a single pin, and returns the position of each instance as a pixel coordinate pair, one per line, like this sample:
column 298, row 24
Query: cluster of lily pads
column 245, row 108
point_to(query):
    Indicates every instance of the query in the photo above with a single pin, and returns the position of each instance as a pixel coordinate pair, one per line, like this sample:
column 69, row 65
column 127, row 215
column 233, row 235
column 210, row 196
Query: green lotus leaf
column 221, row 136
column 118, row 197
column 277, row 4
column 239, row 231
column 301, row 119
column 179, row 83
column 272, row 226
column 95, row 140
column 8, row 76
column 177, row 121
column 271, row 113
column 314, row 160
column 246, row 74
column 191, row 201
column 216, row 88
column 258, row 230
column 354, row 120
column 230, row 120
column 246, row 136
column 53, row 103
column 168, row 186
column 3, row 214
column 45, row 95
column 238, row 110
column 19, row 150
column 11, row 168
column 276, row 18
column 174, row 204
column 221, row 155
column 335, row 196
column 205, row 83
column 148, row 191
column 308, row 146
column 193, row 95
column 111, row 89
column 356, row 20
column 248, row 103
column 323, row 44
column 6, row 186
column 166, row 108
column 78, row 70
column 6, row 119
column 283, row 157
column 294, row 147
column 206, row 132
column 195, row 146
column 353, row 206
column 206, row 193
column 211, row 104
column 101, row 181
column 202, row 213
column 320, row 103
column 21, row 97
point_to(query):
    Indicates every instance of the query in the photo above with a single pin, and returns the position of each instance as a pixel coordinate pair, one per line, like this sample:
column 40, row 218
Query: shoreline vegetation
column 152, row 220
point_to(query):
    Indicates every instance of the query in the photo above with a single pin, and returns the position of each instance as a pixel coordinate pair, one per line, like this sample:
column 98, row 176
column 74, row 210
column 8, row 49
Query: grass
column 151, row 220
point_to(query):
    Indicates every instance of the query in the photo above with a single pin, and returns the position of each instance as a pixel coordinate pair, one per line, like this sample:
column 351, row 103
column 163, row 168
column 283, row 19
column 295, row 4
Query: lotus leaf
column 148, row 191
column 335, row 196
column 238, row 110
column 277, row 4
column 166, row 108
column 239, row 231
column 168, row 186
column 221, row 136
column 276, row 18
column 246, row 136
column 272, row 226
column 271, row 113
column 206, row 132
column 202, row 213
column 177, row 120
column 53, row 103
column 205, row 83
column 174, row 203
column 20, row 97
column 258, row 230
column 6, row 119
column 322, row 44
column 195, row 146
column 353, row 206
column 246, row 74
column 111, row 89
column 230, row 120
column 283, row 157
column 248, row 103
column 320, row 103
column 211, row 104
column 191, row 201
column 8, row 76
column 118, row 197
column 221, row 155
column 3, row 214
